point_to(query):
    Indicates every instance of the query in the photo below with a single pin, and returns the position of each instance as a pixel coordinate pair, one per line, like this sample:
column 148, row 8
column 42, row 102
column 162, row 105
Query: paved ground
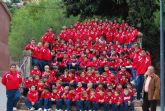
column 2, row 97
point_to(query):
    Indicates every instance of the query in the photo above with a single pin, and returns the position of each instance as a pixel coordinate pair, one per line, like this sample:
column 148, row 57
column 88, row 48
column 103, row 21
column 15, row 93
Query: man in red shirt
column 12, row 80
column 30, row 47
column 46, row 55
column 49, row 37
column 36, row 52
column 143, row 63
column 134, row 57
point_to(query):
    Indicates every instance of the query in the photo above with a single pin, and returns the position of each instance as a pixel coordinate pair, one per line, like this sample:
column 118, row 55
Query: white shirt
column 147, row 82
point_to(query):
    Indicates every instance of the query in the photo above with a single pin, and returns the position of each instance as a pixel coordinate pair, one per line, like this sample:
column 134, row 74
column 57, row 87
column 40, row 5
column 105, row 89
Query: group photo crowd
column 92, row 65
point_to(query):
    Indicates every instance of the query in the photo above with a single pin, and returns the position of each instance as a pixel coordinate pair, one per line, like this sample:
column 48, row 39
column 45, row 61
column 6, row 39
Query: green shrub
column 32, row 20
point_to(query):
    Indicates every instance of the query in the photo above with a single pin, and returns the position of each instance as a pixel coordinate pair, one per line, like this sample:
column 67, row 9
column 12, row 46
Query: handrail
column 23, row 67
column 23, row 63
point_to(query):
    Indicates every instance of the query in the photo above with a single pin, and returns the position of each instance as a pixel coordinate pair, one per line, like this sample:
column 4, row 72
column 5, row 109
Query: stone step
column 22, row 107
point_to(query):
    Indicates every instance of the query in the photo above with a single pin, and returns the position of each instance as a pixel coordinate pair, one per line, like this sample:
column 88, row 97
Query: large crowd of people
column 92, row 65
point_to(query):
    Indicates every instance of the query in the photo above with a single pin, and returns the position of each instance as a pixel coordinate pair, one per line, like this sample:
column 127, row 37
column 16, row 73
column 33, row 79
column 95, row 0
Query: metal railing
column 25, row 67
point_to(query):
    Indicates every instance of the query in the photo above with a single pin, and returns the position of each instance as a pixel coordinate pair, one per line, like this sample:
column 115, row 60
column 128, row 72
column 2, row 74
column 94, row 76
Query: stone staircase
column 22, row 107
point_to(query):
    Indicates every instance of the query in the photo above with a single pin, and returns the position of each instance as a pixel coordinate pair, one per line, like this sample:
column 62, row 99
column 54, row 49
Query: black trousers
column 148, row 103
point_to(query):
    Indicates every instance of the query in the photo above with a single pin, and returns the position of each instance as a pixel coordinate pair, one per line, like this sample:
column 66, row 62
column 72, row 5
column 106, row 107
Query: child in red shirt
column 67, row 96
column 108, row 100
column 44, row 99
column 92, row 100
column 99, row 100
column 117, row 101
column 40, row 86
column 32, row 98
column 27, row 84
column 126, row 99
column 56, row 98
column 35, row 71
column 80, row 100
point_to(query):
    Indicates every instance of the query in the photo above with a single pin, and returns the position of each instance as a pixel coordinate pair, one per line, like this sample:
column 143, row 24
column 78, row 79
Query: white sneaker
column 40, row 109
column 49, row 109
column 133, row 82
column 14, row 109
column 45, row 110
column 31, row 109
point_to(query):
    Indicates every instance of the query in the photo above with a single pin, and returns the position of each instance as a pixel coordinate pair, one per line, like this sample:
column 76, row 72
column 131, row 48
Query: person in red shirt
column 36, row 52
column 124, row 71
column 80, row 100
column 126, row 100
column 79, row 88
column 40, row 86
column 134, row 58
column 89, row 87
column 99, row 100
column 46, row 55
column 36, row 80
column 113, row 65
column 49, row 37
column 108, row 100
column 112, row 79
column 92, row 100
column 44, row 99
column 31, row 46
column 56, row 98
column 99, row 87
column 59, row 87
column 12, row 80
column 35, row 71
column 117, row 101
column 32, row 98
column 123, row 80
column 67, row 98
column 73, row 63
column 144, row 61
column 27, row 84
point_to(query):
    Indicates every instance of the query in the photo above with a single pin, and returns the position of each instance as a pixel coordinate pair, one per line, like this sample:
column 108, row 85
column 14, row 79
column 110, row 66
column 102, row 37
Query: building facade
column 5, row 18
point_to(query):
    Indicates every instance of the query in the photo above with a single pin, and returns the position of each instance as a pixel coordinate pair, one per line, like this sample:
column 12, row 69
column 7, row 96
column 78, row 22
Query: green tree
column 32, row 21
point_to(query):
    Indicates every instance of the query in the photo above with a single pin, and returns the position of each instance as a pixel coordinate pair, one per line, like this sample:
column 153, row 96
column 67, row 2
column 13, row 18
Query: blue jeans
column 87, row 105
column 34, row 61
column 139, row 85
column 101, row 70
column 76, row 67
column 95, row 106
column 79, row 105
column 43, row 64
column 29, row 105
column 40, row 65
column 67, row 104
column 133, row 72
column 13, row 97
column 107, row 106
column 117, row 107
column 44, row 102
column 125, row 106
column 59, row 104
